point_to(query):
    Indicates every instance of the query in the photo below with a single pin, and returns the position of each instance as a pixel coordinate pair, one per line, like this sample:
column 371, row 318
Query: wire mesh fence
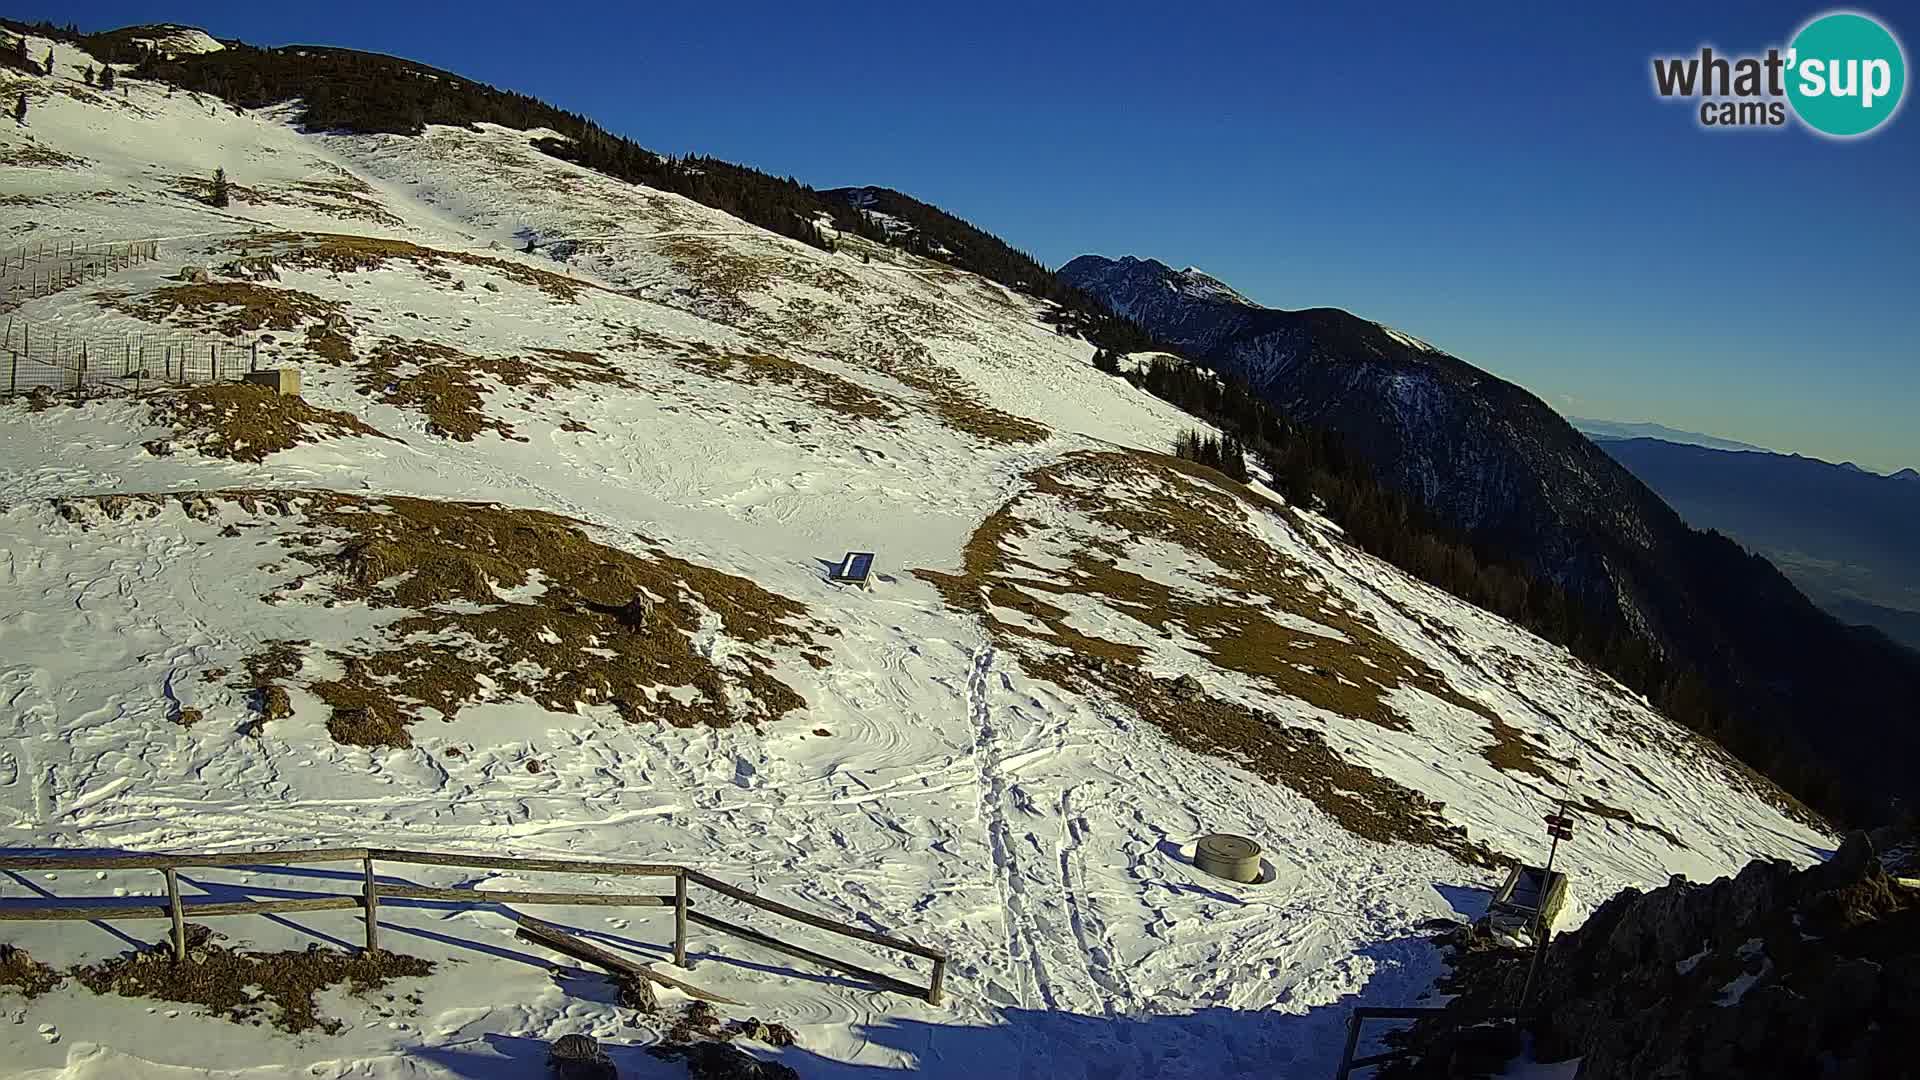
column 37, row 270
column 34, row 356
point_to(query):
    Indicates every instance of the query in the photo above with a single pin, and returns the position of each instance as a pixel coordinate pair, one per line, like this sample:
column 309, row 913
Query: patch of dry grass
column 229, row 307
column 275, row 988
column 34, row 156
column 610, row 628
column 344, row 254
column 1198, row 510
column 29, row 977
column 245, row 422
column 450, row 387
column 823, row 389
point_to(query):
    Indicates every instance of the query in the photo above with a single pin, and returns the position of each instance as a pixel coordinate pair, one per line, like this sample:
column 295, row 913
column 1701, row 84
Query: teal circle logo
column 1846, row 74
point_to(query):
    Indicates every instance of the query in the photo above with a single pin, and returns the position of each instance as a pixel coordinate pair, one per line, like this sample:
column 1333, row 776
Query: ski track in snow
column 1041, row 836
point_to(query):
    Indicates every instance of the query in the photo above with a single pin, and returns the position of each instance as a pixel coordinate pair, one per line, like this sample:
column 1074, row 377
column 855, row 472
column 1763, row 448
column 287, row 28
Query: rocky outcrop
column 1771, row 973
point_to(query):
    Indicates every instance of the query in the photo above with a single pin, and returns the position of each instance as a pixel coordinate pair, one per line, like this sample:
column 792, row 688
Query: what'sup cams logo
column 1843, row 75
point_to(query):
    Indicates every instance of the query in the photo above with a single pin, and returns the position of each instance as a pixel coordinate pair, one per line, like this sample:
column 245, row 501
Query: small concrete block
column 284, row 381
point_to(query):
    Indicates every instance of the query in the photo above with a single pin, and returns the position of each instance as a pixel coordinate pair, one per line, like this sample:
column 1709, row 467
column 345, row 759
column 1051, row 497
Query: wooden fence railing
column 372, row 891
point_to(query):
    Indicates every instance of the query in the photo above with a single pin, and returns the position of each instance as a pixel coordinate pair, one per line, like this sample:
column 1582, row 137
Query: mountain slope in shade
column 1626, row 429
column 1491, row 459
column 1844, row 535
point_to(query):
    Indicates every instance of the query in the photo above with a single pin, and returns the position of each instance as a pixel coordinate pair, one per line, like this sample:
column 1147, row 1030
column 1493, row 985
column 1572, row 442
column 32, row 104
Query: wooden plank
column 882, row 982
column 54, row 911
column 158, row 861
column 558, row 866
column 273, row 907
column 559, row 940
column 813, row 920
column 688, row 988
column 504, row 896
column 636, row 990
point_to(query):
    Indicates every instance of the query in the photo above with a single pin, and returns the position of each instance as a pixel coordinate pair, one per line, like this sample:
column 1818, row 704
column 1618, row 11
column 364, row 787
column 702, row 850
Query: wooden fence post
column 680, row 919
column 179, row 915
column 370, row 899
column 937, row 988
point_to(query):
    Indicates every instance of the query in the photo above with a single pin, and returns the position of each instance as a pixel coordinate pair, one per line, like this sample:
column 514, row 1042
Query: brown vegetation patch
column 344, row 254
column 1514, row 751
column 33, row 156
column 245, row 422
column 1196, row 509
column 823, row 389
column 610, row 628
column 25, row 974
column 275, row 988
column 231, row 307
column 449, row 387
column 278, row 660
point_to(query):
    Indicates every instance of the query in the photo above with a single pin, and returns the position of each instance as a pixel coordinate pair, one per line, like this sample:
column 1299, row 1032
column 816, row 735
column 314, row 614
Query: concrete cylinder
column 1235, row 858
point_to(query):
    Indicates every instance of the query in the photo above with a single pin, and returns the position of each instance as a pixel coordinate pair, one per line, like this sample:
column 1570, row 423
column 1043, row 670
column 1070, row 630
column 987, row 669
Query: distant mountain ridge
column 1646, row 429
column 1494, row 461
column 1844, row 535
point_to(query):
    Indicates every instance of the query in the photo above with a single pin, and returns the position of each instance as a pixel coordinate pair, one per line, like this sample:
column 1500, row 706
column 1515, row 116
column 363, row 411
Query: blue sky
column 1502, row 184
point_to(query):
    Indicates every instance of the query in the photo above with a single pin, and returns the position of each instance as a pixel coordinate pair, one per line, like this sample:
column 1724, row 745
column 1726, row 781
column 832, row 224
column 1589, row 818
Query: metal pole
column 1540, row 915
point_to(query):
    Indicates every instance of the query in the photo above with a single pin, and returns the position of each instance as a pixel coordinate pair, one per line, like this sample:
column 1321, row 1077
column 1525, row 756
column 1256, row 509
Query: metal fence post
column 370, row 899
column 179, row 915
column 680, row 919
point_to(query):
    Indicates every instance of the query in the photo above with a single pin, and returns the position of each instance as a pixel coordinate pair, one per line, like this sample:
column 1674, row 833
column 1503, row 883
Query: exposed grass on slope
column 823, row 389
column 244, row 422
column 29, row 977
column 492, row 605
column 32, row 156
column 606, row 628
column 450, row 387
column 277, row 988
column 345, row 254
column 228, row 307
column 1343, row 664
column 340, row 196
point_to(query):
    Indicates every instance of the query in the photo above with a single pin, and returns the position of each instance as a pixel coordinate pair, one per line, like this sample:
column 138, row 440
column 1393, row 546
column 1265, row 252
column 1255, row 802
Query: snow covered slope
column 229, row 621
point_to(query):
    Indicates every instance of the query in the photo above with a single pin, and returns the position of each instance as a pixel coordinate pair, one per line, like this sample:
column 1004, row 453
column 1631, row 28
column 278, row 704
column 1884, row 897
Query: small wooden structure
column 1530, row 896
column 855, row 569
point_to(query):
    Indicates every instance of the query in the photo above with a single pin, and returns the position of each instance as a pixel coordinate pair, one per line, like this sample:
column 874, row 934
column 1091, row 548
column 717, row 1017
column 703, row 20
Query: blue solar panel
column 857, row 566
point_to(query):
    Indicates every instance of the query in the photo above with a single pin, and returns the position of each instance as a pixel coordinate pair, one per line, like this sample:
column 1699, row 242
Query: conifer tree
column 89, row 75
column 20, row 109
column 221, row 194
column 49, row 67
column 106, row 77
